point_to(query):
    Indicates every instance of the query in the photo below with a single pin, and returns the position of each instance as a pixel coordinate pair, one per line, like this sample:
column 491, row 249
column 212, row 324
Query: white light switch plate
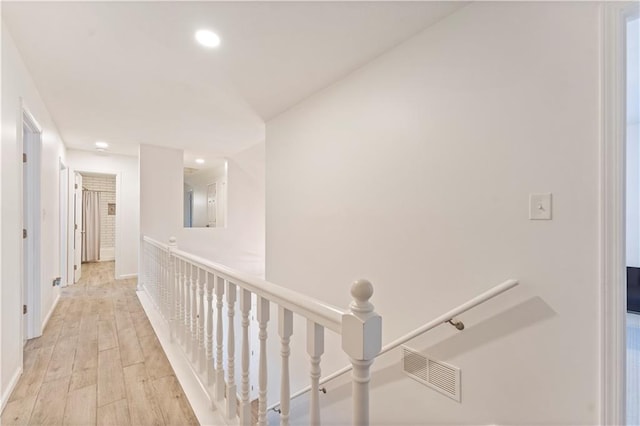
column 540, row 206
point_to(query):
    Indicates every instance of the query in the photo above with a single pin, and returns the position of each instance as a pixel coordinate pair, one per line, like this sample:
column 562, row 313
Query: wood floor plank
column 135, row 372
column 86, row 355
column 62, row 359
column 89, row 326
column 143, row 406
column 18, row 411
column 174, row 406
column 50, row 403
column 83, row 378
column 81, row 407
column 106, row 334
column 154, row 357
column 110, row 379
column 130, row 351
column 33, row 375
column 115, row 413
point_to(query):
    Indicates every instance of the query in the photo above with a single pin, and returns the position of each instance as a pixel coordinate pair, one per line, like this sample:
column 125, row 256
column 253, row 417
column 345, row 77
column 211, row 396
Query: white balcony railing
column 189, row 292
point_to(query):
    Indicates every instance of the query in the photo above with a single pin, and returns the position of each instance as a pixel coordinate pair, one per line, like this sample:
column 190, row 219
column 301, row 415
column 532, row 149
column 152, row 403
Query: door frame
column 63, row 191
column 31, row 285
column 612, row 212
column 119, row 218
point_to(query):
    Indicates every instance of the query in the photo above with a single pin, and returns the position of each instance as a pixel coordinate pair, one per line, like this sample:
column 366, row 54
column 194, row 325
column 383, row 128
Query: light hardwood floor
column 98, row 362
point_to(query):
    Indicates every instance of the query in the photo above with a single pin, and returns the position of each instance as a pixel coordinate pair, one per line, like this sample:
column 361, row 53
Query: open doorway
column 93, row 219
column 31, row 278
column 633, row 218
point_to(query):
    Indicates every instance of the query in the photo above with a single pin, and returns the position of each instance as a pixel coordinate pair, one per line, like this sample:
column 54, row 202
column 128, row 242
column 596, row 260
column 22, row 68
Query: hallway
column 98, row 362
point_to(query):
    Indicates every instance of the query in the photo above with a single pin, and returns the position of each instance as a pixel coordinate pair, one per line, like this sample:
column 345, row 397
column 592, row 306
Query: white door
column 77, row 228
column 25, row 244
column 211, row 205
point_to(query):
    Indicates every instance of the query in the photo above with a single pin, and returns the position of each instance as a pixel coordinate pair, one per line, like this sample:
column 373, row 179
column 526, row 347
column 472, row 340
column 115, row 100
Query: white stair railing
column 183, row 288
column 447, row 317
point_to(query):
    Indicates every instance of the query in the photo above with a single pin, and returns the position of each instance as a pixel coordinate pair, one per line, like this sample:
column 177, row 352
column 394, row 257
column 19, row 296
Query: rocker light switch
column 540, row 206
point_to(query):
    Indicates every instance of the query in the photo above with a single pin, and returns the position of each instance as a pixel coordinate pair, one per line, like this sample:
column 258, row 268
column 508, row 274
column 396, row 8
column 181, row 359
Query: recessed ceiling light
column 199, row 161
column 208, row 38
column 102, row 145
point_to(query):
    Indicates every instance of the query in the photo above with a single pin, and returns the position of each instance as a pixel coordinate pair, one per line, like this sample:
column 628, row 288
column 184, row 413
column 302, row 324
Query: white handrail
column 176, row 282
column 444, row 318
column 322, row 313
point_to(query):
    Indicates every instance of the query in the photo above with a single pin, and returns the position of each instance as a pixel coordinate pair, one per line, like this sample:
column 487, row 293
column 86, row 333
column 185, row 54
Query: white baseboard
column 126, row 276
column 107, row 254
column 12, row 385
column 194, row 391
column 48, row 317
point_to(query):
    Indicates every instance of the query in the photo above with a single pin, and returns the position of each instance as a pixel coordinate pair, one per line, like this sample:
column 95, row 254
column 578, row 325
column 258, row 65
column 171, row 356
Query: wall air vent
column 438, row 375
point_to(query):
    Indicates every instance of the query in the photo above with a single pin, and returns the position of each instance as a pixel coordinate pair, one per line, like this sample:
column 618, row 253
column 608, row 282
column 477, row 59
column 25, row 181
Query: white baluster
column 315, row 349
column 361, row 341
column 285, row 330
column 183, row 308
column 201, row 337
column 187, row 307
column 171, row 297
column 163, row 286
column 245, row 405
column 263, row 319
column 219, row 389
column 232, row 400
column 194, row 313
column 209, row 355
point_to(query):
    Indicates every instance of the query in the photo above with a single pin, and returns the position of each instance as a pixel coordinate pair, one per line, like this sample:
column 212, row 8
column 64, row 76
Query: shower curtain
column 90, row 226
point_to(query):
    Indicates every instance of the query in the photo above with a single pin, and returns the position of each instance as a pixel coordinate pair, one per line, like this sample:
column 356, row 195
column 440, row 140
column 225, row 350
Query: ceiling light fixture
column 102, row 145
column 199, row 161
column 208, row 38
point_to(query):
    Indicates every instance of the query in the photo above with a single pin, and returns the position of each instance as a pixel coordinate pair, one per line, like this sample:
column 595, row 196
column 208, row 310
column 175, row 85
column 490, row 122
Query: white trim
column 107, row 254
column 10, row 388
column 119, row 217
column 32, row 223
column 612, row 214
column 197, row 396
column 126, row 276
column 53, row 308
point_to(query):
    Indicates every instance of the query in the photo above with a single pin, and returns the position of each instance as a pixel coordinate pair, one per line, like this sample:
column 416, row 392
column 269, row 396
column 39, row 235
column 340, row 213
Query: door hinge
column 24, row 309
column 24, row 157
column 75, row 186
column 75, row 267
column 75, row 227
column 24, row 233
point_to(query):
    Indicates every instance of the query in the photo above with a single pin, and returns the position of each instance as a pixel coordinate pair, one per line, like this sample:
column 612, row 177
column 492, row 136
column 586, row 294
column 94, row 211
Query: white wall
column 127, row 202
column 17, row 84
column 633, row 144
column 160, row 192
column 415, row 172
column 241, row 243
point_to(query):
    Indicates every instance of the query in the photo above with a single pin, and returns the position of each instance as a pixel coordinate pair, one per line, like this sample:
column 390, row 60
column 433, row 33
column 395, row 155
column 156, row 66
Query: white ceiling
column 130, row 72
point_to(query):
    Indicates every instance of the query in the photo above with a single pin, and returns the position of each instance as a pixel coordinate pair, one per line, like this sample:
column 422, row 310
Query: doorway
column 31, row 277
column 94, row 204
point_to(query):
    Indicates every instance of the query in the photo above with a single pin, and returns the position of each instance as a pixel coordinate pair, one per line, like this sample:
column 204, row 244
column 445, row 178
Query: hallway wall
column 127, row 202
column 241, row 243
column 17, row 84
column 415, row 172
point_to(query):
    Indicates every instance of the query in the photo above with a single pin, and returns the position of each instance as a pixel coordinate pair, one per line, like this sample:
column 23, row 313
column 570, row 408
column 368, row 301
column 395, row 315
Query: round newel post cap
column 361, row 291
column 172, row 241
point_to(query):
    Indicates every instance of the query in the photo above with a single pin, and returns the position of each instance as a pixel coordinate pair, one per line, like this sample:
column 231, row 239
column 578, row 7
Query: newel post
column 361, row 341
column 172, row 303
